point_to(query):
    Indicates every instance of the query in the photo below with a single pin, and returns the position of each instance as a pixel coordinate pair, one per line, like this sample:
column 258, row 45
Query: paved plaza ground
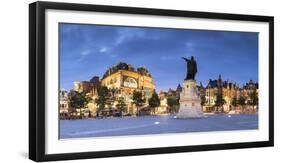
column 154, row 125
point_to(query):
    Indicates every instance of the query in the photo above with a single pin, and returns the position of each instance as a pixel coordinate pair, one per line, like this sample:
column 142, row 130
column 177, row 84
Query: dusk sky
column 89, row 50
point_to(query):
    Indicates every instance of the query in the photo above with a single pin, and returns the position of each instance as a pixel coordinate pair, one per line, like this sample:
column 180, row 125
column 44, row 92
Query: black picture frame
column 37, row 80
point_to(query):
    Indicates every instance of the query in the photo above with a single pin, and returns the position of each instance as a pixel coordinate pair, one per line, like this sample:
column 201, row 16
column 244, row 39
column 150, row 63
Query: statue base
column 190, row 102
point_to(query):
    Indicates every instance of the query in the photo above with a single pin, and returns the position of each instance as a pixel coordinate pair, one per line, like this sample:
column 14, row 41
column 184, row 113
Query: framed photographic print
column 110, row 81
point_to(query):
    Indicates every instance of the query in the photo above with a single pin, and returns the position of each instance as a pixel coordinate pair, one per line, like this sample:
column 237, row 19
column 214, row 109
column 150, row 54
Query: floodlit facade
column 63, row 101
column 124, row 79
column 229, row 90
column 121, row 80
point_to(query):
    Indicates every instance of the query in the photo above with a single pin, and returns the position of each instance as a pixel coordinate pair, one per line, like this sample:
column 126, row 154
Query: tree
column 138, row 100
column 241, row 102
column 121, row 105
column 173, row 102
column 109, row 101
column 254, row 99
column 219, row 100
column 234, row 102
column 154, row 101
column 103, row 96
column 78, row 100
column 203, row 99
column 90, row 114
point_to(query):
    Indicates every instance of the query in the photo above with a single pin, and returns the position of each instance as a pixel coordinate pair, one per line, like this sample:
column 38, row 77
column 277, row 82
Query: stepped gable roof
column 179, row 88
column 231, row 84
column 212, row 83
column 162, row 92
column 251, row 85
column 95, row 79
column 220, row 83
column 171, row 92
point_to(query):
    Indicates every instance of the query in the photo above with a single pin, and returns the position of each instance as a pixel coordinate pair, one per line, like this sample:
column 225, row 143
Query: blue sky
column 88, row 50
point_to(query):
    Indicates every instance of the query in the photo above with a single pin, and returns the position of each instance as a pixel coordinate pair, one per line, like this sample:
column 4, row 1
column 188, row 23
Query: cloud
column 103, row 49
column 119, row 40
column 127, row 34
column 160, row 50
column 85, row 52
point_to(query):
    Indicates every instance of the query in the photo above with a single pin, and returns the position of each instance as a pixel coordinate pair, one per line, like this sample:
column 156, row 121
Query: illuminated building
column 124, row 79
column 229, row 90
column 63, row 101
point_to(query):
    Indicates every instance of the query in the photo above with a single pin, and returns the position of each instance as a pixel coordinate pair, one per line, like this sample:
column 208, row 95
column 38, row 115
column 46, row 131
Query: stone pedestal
column 190, row 102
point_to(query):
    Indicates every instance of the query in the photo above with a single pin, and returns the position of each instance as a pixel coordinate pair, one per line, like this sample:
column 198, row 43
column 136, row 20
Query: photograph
column 113, row 81
column 134, row 81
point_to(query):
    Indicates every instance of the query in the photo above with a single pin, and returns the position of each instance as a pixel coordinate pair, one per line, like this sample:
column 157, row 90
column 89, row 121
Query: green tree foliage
column 220, row 101
column 109, row 102
column 121, row 105
column 203, row 99
column 78, row 100
column 234, row 102
column 173, row 103
column 154, row 101
column 242, row 101
column 138, row 100
column 254, row 99
column 102, row 100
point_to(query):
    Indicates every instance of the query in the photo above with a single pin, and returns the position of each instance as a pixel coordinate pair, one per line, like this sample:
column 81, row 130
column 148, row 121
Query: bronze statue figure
column 191, row 68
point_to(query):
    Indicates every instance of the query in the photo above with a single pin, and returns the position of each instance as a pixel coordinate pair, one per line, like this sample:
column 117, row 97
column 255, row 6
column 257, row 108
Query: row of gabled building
column 123, row 79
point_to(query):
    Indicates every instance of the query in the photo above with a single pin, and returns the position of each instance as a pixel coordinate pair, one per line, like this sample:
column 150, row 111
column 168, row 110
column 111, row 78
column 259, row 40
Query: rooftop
column 124, row 66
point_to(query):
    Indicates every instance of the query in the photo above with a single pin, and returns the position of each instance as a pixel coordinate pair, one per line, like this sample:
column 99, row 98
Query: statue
column 191, row 68
column 190, row 101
